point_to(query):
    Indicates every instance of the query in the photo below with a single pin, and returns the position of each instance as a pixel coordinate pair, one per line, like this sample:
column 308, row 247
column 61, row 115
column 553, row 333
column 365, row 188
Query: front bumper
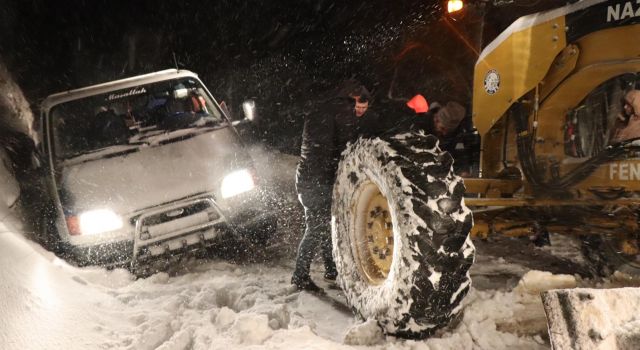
column 172, row 229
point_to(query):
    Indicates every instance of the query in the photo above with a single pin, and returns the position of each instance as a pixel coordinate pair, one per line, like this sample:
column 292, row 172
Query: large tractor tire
column 400, row 233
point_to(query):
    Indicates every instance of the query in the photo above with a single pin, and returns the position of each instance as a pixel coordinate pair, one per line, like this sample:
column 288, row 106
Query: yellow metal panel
column 553, row 111
column 602, row 55
column 623, row 174
column 544, row 202
column 521, row 62
column 561, row 68
column 610, row 44
column 483, row 185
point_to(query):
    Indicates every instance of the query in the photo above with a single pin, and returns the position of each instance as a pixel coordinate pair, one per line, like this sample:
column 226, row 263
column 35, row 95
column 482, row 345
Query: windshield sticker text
column 624, row 171
column 620, row 12
column 136, row 91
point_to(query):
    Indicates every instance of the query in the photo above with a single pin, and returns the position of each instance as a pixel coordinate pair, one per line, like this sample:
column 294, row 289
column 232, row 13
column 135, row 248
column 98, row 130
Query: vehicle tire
column 400, row 233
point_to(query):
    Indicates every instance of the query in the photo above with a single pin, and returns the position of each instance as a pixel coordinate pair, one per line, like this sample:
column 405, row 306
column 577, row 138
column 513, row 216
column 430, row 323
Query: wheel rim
column 373, row 236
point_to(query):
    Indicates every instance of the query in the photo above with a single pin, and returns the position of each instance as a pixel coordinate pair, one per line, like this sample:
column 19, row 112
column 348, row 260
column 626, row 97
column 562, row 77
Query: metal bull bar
column 175, row 226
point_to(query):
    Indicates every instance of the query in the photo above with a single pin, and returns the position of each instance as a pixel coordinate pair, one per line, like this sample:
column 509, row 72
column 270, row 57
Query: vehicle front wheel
column 400, row 233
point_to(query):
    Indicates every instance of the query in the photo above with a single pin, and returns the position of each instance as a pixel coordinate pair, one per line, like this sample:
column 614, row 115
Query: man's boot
column 330, row 274
column 305, row 283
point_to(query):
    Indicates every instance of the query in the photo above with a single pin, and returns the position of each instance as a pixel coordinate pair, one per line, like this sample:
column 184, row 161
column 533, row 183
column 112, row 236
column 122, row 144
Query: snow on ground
column 215, row 304
column 46, row 304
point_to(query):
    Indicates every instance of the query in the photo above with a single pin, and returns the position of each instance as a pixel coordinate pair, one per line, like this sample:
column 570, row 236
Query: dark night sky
column 81, row 42
column 280, row 52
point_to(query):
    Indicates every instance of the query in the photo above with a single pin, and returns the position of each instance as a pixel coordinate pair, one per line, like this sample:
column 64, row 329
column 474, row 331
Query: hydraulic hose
column 533, row 173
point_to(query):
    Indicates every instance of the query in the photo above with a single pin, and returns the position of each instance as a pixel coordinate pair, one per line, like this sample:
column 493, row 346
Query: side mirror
column 249, row 110
column 225, row 109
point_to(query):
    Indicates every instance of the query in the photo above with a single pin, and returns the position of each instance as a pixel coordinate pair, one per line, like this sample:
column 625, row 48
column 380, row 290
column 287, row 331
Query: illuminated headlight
column 237, row 182
column 94, row 222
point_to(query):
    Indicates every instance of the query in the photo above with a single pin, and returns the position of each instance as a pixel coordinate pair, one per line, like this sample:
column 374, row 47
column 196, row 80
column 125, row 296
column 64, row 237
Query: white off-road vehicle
column 146, row 166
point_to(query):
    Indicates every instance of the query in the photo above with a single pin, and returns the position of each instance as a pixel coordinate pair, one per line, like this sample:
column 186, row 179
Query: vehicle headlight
column 94, row 222
column 237, row 182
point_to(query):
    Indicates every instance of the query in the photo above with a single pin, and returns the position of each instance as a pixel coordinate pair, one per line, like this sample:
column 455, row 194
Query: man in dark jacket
column 327, row 131
column 447, row 123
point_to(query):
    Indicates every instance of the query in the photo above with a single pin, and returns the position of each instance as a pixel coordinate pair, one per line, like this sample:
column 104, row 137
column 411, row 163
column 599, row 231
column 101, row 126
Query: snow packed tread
column 432, row 250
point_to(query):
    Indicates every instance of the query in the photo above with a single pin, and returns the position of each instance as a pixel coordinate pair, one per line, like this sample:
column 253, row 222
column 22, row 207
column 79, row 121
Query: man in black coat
column 327, row 131
column 448, row 124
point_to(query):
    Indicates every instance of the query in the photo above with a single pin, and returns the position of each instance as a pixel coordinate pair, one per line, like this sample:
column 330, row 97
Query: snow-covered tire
column 427, row 275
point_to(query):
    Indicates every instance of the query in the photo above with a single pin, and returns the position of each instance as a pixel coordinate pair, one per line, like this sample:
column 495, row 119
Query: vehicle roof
column 69, row 95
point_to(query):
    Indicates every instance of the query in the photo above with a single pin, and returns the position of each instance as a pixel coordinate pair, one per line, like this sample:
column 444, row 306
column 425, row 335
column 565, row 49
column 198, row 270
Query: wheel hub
column 374, row 235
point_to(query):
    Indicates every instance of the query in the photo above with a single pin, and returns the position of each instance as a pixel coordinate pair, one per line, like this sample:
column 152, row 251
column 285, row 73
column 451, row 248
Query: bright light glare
column 237, row 182
column 454, row 5
column 99, row 221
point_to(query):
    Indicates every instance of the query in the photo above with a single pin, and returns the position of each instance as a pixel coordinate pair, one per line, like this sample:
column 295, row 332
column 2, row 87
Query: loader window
column 593, row 124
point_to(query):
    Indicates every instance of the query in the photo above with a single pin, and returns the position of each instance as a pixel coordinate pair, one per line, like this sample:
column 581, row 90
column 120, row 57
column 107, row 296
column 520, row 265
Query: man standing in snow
column 337, row 121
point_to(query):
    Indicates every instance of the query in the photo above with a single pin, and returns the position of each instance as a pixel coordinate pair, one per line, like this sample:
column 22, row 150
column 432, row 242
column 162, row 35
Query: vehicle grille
column 177, row 226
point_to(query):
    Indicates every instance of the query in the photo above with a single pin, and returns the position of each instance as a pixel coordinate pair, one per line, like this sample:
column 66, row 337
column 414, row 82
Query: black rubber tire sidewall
column 407, row 303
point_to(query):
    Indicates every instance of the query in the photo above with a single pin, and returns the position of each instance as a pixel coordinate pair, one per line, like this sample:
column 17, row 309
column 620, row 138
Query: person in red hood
column 419, row 104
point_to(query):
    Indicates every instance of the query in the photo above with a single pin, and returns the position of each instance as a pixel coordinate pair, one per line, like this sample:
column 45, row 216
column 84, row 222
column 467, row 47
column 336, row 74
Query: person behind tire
column 338, row 120
column 449, row 123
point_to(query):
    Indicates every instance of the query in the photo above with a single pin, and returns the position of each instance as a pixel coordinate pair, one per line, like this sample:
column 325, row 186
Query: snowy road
column 215, row 304
column 209, row 305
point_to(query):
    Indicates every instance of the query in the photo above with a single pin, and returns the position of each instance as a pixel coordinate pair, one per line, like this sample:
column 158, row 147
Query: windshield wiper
column 185, row 134
column 104, row 152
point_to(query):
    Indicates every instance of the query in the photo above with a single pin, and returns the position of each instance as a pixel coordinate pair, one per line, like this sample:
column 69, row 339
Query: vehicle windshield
column 122, row 119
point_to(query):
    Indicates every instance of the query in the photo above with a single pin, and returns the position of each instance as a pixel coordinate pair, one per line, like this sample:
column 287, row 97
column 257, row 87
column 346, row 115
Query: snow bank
column 9, row 189
column 15, row 113
column 536, row 282
column 45, row 303
column 585, row 318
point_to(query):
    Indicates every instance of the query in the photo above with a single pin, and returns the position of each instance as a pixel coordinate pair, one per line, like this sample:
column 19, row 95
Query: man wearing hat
column 446, row 123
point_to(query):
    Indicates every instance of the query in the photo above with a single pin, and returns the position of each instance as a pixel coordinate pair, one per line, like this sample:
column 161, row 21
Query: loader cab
column 603, row 118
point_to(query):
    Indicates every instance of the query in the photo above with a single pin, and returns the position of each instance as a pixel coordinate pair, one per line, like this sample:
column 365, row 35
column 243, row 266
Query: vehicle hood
column 152, row 175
